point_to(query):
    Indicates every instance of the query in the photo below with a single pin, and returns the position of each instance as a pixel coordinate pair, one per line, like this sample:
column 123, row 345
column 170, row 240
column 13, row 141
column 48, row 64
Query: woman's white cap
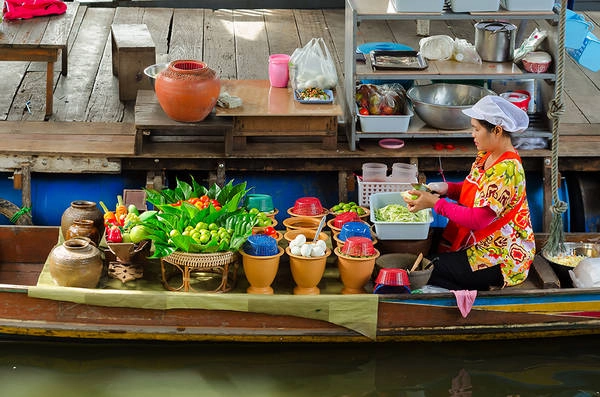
column 498, row 111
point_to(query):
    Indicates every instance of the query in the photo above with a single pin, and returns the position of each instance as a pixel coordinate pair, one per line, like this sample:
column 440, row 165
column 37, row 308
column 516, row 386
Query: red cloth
column 25, row 9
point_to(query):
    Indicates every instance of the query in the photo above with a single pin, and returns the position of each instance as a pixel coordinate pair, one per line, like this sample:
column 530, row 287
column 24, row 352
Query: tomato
column 364, row 111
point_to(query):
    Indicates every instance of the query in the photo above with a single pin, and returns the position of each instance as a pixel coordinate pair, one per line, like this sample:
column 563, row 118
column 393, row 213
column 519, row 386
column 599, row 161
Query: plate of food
column 313, row 95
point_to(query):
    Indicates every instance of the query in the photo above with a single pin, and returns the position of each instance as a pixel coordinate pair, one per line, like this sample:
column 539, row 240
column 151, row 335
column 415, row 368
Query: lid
column 537, row 57
column 358, row 246
column 345, row 217
column 263, row 202
column 393, row 277
column 382, row 46
column 496, row 26
column 261, row 245
column 308, row 206
column 354, row 229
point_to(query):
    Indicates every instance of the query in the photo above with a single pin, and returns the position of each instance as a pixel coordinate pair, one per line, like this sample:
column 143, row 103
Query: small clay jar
column 187, row 90
column 83, row 228
column 82, row 209
column 76, row 263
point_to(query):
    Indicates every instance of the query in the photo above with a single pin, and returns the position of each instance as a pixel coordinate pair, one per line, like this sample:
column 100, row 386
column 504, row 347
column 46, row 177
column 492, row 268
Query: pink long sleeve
column 472, row 218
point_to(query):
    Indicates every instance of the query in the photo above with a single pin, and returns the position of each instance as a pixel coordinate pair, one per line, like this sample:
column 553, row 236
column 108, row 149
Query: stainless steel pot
column 495, row 40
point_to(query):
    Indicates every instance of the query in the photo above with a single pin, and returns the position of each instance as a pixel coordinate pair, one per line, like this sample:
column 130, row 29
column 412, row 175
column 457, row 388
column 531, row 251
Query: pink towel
column 25, row 9
column 464, row 300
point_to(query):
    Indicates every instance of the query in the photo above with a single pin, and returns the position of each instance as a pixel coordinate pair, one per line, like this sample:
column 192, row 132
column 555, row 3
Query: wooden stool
column 132, row 51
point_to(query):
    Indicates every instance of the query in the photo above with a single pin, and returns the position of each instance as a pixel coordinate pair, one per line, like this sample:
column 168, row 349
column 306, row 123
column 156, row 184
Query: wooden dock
column 236, row 43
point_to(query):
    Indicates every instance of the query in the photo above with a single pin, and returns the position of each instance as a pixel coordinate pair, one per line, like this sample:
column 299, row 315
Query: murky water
column 552, row 367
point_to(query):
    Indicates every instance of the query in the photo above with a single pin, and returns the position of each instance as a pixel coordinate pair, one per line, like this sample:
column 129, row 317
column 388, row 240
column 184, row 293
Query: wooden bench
column 39, row 39
column 132, row 51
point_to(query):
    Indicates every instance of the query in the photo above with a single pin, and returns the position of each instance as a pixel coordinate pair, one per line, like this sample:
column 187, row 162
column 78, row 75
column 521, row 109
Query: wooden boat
column 536, row 309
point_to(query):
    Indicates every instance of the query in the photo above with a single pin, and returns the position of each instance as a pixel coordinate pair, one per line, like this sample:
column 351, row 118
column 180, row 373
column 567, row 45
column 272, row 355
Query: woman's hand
column 417, row 200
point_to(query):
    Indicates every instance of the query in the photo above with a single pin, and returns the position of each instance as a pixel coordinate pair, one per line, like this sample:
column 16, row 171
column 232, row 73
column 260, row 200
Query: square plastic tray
column 397, row 230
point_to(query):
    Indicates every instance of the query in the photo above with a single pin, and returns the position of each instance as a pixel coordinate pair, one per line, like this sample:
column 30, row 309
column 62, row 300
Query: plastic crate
column 588, row 55
column 397, row 230
column 576, row 29
column 527, row 5
column 385, row 123
column 474, row 5
column 366, row 189
column 418, row 6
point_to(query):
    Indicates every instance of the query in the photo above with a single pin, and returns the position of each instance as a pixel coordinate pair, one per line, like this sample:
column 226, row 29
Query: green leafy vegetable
column 399, row 213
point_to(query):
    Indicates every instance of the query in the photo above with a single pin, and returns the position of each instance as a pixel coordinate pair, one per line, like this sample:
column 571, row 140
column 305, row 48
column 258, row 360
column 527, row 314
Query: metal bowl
column 587, row 250
column 440, row 105
column 153, row 70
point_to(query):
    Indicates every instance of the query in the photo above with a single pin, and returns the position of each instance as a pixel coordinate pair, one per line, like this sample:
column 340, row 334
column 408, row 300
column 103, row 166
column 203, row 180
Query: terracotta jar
column 187, row 90
column 355, row 272
column 260, row 271
column 82, row 209
column 83, row 228
column 307, row 272
column 76, row 263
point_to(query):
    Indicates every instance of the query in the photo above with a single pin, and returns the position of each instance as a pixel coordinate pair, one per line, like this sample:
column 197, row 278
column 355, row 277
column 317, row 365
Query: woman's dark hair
column 490, row 127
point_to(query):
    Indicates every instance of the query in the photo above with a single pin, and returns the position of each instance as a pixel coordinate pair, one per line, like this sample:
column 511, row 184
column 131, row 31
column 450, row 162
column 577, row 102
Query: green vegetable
column 139, row 233
column 400, row 214
column 132, row 209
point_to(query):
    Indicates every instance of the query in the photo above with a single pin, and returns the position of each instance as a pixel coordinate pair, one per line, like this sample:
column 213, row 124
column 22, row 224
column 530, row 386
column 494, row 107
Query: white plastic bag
column 465, row 52
column 312, row 66
column 586, row 274
column 437, row 48
column 530, row 44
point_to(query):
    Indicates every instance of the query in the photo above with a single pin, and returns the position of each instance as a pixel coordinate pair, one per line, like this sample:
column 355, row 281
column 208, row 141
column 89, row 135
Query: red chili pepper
column 113, row 234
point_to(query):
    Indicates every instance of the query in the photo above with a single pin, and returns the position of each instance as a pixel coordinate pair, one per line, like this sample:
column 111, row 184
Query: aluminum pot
column 495, row 40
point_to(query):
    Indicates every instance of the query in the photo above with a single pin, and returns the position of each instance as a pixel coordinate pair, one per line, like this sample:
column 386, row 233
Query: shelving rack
column 357, row 11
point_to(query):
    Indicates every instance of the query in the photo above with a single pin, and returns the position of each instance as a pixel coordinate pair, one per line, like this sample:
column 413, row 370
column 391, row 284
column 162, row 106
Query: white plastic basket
column 474, row 5
column 366, row 189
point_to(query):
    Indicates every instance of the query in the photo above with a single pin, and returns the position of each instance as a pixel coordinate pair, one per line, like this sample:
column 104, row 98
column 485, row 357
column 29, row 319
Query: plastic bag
column 437, row 48
column 465, row 52
column 312, row 66
column 530, row 44
column 387, row 99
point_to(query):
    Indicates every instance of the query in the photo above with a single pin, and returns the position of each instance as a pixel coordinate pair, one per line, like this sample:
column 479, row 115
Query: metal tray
column 397, row 60
column 314, row 101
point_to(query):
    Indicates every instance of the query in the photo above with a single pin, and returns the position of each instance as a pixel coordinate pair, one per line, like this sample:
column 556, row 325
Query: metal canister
column 495, row 40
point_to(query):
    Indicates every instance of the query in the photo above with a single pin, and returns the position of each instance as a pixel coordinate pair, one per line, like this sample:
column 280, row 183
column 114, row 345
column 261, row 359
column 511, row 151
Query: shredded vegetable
column 399, row 213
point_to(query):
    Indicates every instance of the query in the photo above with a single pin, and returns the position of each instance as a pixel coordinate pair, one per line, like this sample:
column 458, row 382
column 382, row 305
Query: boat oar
column 417, row 262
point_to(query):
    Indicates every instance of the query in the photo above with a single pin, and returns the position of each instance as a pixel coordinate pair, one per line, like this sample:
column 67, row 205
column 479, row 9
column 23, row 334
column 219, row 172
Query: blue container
column 588, row 55
column 261, row 245
column 576, row 30
column 354, row 229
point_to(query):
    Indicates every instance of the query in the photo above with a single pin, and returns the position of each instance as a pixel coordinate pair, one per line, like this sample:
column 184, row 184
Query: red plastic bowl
column 393, row 277
column 358, row 246
column 307, row 206
column 345, row 217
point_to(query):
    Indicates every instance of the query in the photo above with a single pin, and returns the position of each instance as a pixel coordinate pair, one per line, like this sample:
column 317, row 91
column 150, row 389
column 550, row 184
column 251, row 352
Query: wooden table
column 272, row 112
column 39, row 39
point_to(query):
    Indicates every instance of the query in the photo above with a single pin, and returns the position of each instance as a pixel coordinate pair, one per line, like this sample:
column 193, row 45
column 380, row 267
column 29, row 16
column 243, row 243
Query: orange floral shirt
column 500, row 188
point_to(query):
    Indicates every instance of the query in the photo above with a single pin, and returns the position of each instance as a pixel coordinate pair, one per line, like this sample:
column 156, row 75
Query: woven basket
column 200, row 261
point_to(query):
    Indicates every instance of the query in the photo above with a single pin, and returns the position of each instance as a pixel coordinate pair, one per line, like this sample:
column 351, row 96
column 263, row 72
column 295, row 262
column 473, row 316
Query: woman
column 489, row 241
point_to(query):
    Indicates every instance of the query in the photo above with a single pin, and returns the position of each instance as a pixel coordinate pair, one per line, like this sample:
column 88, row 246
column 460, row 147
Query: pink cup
column 278, row 70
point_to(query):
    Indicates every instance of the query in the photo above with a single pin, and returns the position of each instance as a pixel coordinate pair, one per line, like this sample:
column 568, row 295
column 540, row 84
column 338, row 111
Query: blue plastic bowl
column 354, row 229
column 261, row 245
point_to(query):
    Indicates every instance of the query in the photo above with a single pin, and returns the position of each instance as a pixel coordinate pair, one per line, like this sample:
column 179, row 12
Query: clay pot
column 187, row 90
column 355, row 272
column 260, row 271
column 76, row 263
column 83, row 228
column 307, row 272
column 82, row 209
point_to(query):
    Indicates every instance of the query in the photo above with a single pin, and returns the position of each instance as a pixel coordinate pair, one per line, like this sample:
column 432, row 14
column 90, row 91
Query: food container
column 339, row 221
column 358, row 246
column 263, row 202
column 261, row 245
column 537, row 61
column 385, row 123
column 517, row 98
column 495, row 40
column 440, row 105
column 397, row 230
column 374, row 172
column 308, row 206
column 290, row 235
column 354, row 229
column 392, row 281
column 301, row 222
column 405, row 173
column 572, row 256
column 418, row 6
column 417, row 278
column 474, row 5
column 527, row 5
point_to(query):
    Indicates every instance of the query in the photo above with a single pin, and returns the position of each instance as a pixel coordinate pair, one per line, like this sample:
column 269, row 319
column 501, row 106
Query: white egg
column 321, row 244
column 295, row 250
column 306, row 250
column 299, row 240
column 317, row 251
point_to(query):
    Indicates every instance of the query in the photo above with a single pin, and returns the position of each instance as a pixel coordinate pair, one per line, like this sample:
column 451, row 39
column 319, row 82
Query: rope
column 556, row 238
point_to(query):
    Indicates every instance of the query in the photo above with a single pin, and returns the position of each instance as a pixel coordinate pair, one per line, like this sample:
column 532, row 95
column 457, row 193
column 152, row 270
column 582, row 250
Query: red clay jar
column 187, row 90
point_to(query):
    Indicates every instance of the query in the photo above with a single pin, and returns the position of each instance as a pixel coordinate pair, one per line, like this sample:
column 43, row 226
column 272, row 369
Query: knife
column 421, row 187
